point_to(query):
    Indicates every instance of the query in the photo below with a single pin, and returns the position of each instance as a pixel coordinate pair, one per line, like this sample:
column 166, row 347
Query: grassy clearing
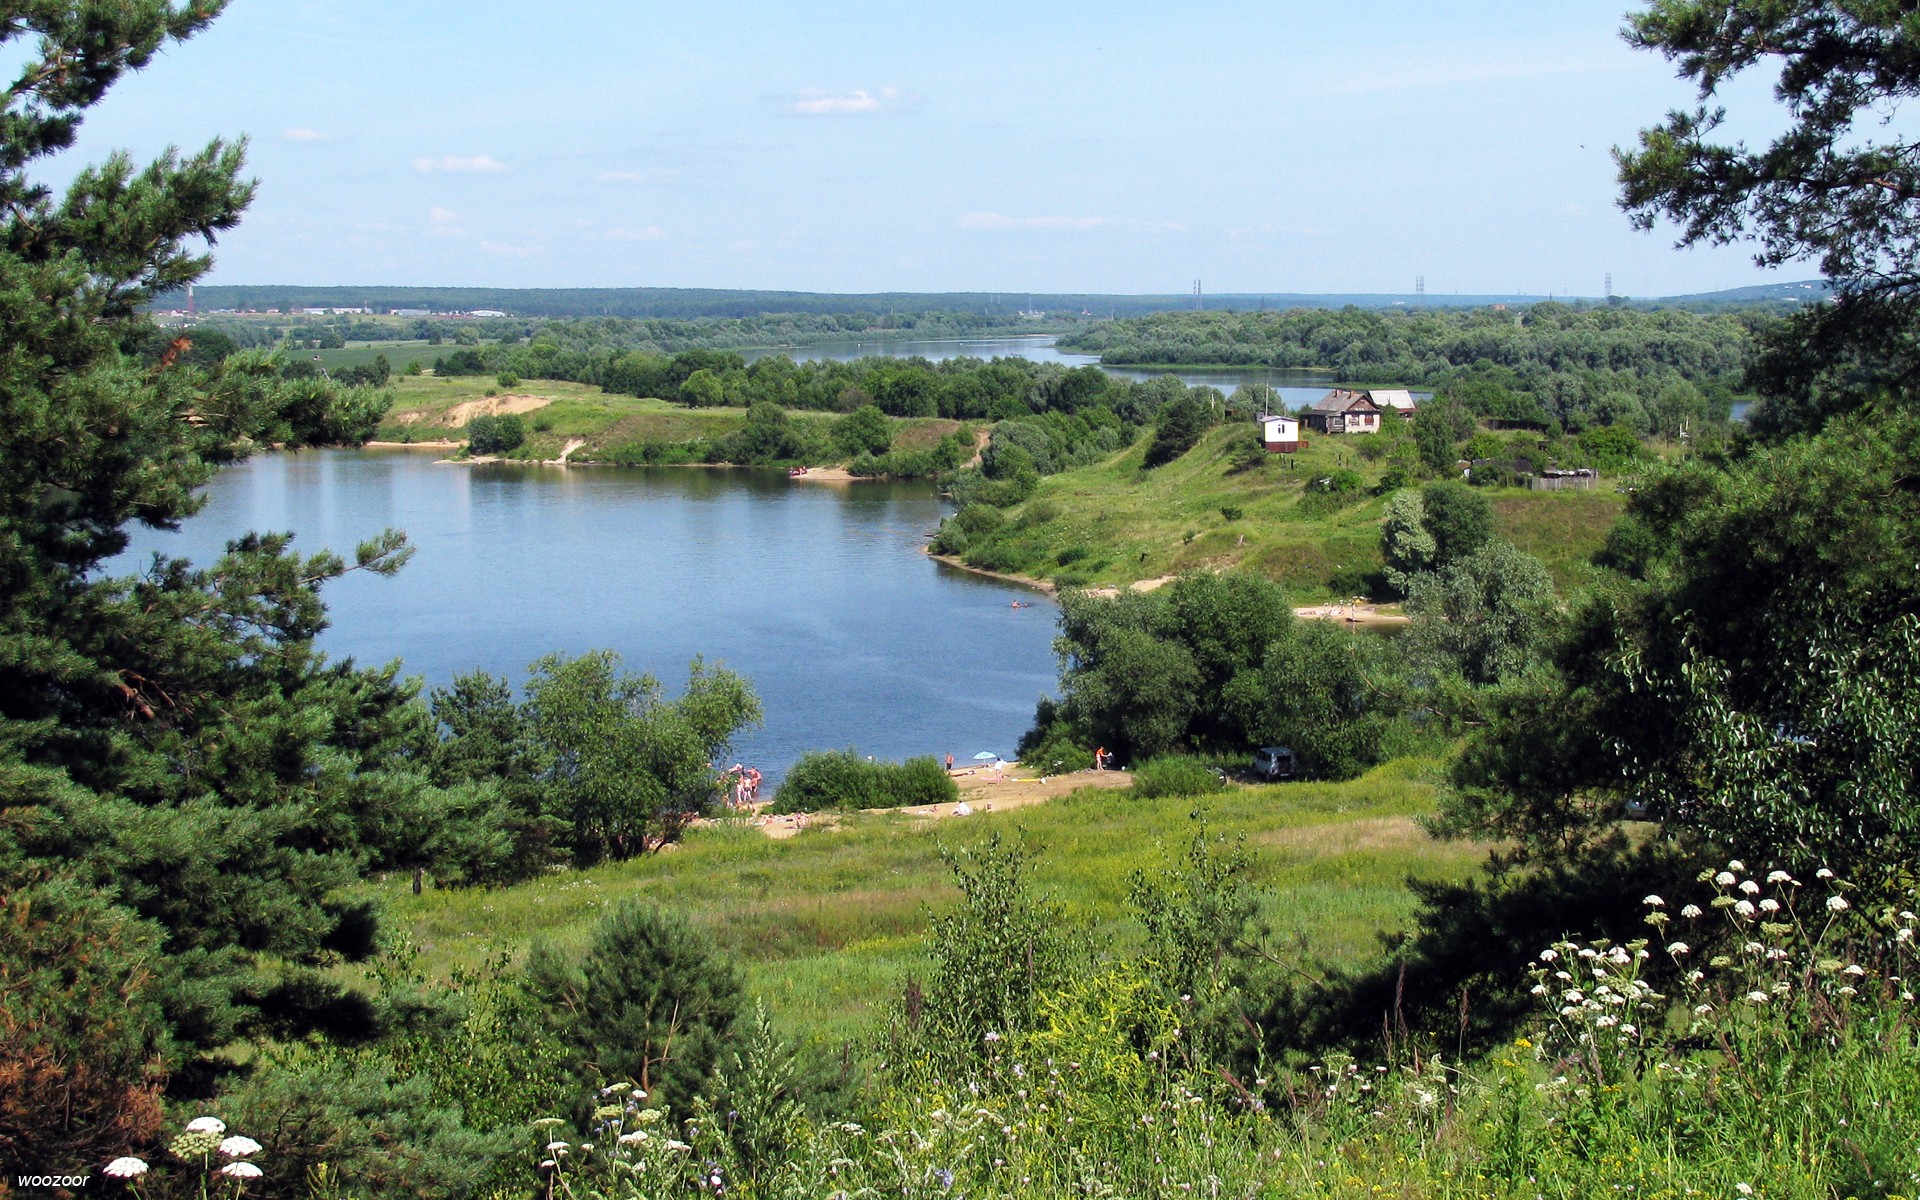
column 361, row 354
column 829, row 923
column 1114, row 523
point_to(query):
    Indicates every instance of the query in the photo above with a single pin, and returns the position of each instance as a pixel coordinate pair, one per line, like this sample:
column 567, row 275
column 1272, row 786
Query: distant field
column 829, row 923
column 362, row 354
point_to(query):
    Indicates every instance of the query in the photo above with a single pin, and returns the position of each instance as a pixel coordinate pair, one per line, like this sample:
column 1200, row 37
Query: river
column 817, row 593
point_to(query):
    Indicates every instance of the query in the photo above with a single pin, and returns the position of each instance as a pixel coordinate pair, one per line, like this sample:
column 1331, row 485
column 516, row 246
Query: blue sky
column 1097, row 147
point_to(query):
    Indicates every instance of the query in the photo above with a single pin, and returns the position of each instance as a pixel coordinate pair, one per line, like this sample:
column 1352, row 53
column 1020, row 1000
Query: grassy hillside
column 556, row 413
column 1115, row 522
column 829, row 923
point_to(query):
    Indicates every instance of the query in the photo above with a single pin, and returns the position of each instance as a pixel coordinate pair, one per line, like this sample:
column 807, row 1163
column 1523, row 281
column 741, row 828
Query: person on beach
column 1100, row 759
column 949, row 763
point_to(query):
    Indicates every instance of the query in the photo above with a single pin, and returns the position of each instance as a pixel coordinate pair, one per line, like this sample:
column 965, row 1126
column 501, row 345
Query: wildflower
column 1757, row 997
column 1745, row 1189
column 992, row 1036
column 628, row 1139
column 1745, row 908
column 1902, row 936
column 212, row 1125
column 1678, row 948
column 1589, row 952
column 239, row 1147
column 1701, row 1010
column 1654, row 902
column 1690, row 911
column 1847, row 991
column 1779, row 877
column 1548, row 955
column 1823, row 873
column 1750, row 887
column 1736, row 865
column 556, row 1147
column 1769, row 905
column 1725, row 879
column 126, row 1168
column 1539, row 989
column 1837, row 904
column 240, row 1170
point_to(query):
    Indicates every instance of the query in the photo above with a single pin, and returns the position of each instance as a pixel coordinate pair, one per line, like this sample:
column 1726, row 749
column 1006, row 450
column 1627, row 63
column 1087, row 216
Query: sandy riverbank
column 980, row 792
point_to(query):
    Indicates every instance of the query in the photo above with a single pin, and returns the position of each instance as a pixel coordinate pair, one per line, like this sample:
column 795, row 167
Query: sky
column 1111, row 146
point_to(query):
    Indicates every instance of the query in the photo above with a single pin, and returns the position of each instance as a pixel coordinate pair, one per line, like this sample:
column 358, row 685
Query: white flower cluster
column 201, row 1139
column 1601, row 1005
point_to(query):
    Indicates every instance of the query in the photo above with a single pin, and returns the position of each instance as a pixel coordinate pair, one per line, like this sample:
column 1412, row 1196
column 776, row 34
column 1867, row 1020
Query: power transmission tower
column 1198, row 302
column 1609, row 285
column 1420, row 287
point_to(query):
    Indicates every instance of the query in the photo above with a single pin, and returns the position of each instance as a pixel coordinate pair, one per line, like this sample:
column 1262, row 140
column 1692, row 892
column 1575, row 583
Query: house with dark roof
column 1342, row 411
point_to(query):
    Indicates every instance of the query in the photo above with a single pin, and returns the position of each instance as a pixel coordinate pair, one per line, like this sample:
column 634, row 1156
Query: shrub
column 844, row 780
column 951, row 539
column 977, row 519
column 488, row 434
column 1175, row 775
column 507, row 379
column 1232, row 512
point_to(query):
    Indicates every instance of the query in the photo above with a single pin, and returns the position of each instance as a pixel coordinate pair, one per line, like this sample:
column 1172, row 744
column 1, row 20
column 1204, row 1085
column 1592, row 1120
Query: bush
column 1175, row 775
column 1232, row 512
column 507, row 379
column 494, row 435
column 844, row 780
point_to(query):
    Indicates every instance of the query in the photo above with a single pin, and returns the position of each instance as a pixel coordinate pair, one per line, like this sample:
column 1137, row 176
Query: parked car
column 1274, row 762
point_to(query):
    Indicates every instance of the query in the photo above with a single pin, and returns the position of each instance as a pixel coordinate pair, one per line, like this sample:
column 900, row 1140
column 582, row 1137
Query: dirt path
column 1356, row 613
column 570, row 447
column 492, row 406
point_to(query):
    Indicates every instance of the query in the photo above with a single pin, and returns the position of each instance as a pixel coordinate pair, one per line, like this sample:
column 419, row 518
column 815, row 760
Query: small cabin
column 1280, row 434
column 1342, row 411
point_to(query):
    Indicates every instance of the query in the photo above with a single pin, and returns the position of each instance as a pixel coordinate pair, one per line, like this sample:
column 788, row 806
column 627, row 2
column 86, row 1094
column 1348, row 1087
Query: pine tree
column 176, row 759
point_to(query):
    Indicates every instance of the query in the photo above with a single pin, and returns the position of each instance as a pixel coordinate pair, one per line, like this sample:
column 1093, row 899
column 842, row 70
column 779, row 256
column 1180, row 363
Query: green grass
column 362, row 354
column 1137, row 524
column 605, row 421
column 829, row 923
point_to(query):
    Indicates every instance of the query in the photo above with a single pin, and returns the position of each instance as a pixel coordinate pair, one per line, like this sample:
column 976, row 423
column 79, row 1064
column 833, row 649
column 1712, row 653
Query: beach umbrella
column 984, row 756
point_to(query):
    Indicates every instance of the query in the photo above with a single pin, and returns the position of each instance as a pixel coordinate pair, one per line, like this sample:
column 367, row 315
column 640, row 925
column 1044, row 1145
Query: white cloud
column 478, row 164
column 838, row 104
column 994, row 220
column 651, row 233
column 444, row 223
column 299, row 134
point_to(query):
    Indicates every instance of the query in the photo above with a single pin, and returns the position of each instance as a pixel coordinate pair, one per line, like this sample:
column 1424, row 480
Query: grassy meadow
column 1114, row 522
column 829, row 923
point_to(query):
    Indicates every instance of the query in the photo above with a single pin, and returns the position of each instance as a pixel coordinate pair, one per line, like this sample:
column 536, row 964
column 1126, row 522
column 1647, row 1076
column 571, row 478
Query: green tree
column 1459, row 519
column 1487, row 617
column 1836, row 186
column 1177, row 430
column 624, row 767
column 865, row 430
column 653, row 1002
column 1405, row 542
column 174, row 753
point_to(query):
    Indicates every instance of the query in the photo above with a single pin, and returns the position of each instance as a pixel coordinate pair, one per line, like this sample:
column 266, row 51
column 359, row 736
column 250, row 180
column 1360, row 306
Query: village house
column 1342, row 411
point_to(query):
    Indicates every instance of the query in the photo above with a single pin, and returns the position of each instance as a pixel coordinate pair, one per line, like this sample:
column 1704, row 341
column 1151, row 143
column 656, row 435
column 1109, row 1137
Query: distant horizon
column 851, row 147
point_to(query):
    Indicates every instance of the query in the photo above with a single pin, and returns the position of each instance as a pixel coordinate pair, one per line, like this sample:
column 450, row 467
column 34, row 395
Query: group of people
column 743, row 786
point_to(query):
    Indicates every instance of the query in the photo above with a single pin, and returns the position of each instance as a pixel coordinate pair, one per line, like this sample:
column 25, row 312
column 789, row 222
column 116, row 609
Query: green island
column 1595, row 875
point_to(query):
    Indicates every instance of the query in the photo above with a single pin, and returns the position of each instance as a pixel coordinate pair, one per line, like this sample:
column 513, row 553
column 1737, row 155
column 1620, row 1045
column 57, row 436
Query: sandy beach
column 980, row 790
